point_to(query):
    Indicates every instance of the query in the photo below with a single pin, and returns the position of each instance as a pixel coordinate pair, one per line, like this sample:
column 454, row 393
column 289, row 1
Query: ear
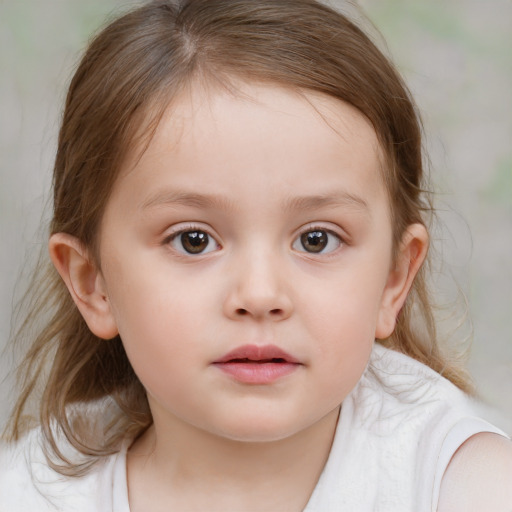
column 85, row 283
column 411, row 255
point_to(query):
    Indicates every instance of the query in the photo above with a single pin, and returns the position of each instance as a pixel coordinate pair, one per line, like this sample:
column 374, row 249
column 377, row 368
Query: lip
column 257, row 364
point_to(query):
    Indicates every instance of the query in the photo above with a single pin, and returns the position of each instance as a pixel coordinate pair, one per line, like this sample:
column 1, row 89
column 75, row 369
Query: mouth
column 255, row 364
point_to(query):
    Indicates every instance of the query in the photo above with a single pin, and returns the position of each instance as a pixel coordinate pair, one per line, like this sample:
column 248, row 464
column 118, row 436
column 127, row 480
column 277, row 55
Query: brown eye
column 193, row 242
column 317, row 241
column 314, row 241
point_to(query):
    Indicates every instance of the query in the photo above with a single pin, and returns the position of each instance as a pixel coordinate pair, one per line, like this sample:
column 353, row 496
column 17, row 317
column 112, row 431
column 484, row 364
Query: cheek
column 158, row 337
column 341, row 320
column 347, row 304
column 148, row 295
column 158, row 320
column 344, row 344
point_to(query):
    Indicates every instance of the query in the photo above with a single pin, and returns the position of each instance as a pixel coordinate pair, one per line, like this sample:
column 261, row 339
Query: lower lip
column 257, row 373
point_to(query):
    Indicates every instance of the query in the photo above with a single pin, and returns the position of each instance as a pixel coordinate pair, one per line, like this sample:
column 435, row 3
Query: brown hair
column 127, row 77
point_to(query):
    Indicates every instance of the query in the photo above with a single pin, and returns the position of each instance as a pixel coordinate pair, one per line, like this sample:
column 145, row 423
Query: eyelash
column 339, row 240
column 176, row 235
column 297, row 244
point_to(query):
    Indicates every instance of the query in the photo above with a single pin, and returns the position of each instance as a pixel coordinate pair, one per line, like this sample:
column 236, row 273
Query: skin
column 479, row 476
column 252, row 173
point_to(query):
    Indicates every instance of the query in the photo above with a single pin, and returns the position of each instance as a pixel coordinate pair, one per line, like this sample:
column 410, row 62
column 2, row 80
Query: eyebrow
column 177, row 197
column 336, row 199
column 214, row 201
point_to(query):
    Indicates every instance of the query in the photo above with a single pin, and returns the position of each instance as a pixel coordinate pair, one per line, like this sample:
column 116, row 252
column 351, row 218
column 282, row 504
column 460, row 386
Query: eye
column 317, row 241
column 193, row 241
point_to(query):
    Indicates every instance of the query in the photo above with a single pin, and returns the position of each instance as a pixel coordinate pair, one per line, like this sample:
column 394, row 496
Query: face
column 246, row 259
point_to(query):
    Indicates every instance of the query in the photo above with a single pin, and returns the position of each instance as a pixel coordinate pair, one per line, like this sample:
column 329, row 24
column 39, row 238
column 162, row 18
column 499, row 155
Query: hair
column 126, row 79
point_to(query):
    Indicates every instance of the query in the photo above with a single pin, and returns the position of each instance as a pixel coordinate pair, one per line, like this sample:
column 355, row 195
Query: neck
column 231, row 475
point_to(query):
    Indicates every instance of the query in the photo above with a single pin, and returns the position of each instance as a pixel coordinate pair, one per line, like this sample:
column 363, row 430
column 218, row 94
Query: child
column 241, row 321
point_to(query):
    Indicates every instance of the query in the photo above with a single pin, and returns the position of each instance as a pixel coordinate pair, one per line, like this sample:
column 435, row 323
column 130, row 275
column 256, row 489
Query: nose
column 258, row 290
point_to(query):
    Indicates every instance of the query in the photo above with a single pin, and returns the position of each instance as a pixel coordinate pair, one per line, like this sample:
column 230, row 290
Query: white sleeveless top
column 396, row 434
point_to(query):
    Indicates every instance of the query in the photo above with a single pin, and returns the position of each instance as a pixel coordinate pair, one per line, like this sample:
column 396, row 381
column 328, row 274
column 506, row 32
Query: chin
column 258, row 430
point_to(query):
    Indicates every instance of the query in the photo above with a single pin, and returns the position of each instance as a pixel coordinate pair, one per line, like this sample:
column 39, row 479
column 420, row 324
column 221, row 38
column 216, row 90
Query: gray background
column 457, row 58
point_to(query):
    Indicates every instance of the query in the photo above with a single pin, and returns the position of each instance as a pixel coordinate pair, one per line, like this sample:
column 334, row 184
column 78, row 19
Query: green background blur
column 456, row 56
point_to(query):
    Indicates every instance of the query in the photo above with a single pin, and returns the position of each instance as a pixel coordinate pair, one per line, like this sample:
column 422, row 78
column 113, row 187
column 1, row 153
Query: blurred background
column 456, row 56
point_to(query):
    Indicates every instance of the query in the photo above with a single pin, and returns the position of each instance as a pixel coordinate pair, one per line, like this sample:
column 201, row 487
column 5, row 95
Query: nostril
column 241, row 311
column 275, row 312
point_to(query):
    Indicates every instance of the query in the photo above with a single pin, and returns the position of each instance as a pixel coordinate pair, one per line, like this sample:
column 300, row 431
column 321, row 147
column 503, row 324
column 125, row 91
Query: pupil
column 194, row 241
column 314, row 241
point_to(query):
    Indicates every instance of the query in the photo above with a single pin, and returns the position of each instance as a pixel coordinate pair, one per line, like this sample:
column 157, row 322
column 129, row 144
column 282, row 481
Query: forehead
column 209, row 137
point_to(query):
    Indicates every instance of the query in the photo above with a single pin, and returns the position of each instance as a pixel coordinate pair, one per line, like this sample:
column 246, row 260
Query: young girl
column 239, row 317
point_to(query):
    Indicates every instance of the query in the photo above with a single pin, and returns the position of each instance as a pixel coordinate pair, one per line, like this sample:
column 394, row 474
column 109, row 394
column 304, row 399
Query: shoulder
column 27, row 482
column 395, row 365
column 17, row 486
column 400, row 379
column 16, row 458
column 398, row 396
column 479, row 476
column 439, row 427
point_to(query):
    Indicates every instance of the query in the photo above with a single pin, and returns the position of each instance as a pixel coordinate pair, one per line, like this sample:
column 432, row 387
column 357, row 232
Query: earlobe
column 84, row 282
column 411, row 255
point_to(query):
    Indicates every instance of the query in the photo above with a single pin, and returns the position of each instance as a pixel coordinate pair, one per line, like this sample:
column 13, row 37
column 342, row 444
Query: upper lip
column 257, row 353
